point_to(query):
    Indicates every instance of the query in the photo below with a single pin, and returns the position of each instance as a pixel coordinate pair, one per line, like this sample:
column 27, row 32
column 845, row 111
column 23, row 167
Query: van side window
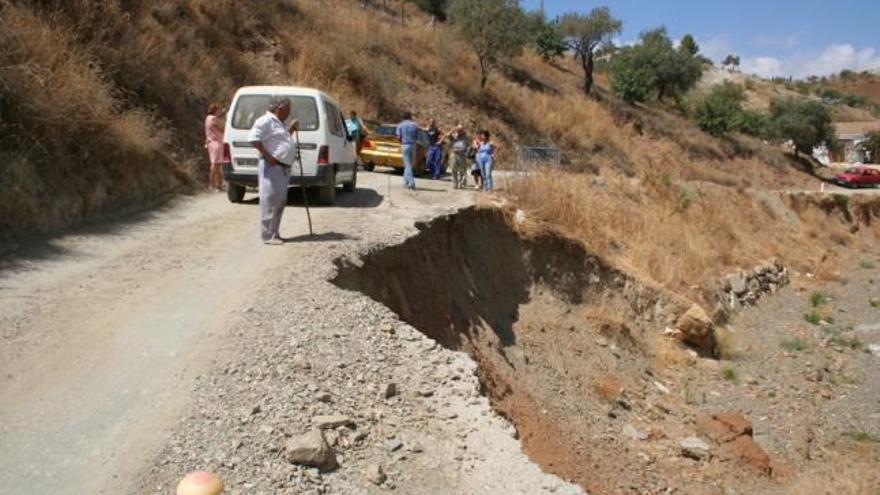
column 333, row 123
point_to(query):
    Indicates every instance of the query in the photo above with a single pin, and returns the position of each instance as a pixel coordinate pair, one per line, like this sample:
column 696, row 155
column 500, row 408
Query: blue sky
column 772, row 37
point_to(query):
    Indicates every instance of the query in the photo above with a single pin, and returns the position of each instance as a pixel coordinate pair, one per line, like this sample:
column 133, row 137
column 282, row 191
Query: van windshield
column 250, row 107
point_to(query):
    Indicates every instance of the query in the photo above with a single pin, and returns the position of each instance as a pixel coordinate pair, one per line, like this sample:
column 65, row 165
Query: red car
column 858, row 177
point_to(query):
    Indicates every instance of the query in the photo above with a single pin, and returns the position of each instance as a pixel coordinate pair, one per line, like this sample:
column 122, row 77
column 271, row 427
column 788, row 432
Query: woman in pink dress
column 214, row 143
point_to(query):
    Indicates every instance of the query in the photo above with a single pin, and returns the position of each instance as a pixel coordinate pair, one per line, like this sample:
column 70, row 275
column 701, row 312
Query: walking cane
column 302, row 176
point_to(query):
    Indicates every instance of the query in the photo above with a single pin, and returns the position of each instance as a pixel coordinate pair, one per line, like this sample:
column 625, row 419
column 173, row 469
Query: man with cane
column 273, row 140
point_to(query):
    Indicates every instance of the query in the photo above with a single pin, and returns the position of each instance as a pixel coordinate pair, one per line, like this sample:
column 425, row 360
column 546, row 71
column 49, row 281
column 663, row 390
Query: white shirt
column 270, row 131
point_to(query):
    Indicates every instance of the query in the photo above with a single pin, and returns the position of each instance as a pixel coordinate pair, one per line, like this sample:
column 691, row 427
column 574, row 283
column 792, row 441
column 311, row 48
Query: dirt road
column 105, row 331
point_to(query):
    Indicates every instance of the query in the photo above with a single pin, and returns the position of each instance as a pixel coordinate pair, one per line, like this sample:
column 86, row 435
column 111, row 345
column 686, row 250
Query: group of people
column 272, row 138
column 477, row 155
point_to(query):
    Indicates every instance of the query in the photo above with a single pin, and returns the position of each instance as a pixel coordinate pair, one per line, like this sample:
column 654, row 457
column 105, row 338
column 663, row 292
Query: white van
column 329, row 157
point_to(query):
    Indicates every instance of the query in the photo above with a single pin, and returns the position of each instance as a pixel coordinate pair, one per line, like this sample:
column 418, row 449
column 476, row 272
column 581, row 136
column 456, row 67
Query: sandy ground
column 106, row 330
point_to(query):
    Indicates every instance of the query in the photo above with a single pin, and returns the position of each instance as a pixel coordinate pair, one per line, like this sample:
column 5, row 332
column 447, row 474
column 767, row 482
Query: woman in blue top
column 485, row 158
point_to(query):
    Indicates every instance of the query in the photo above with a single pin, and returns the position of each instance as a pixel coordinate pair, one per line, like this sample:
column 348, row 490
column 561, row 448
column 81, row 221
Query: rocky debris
column 392, row 445
column 631, row 432
column 695, row 448
column 311, row 449
column 375, row 474
column 733, row 433
column 747, row 287
column 389, row 390
column 332, row 421
column 696, row 328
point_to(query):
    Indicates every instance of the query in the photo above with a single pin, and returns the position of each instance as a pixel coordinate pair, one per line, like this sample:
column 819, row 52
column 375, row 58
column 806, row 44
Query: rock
column 631, row 432
column 332, row 421
column 723, row 427
column 310, row 449
column 747, row 451
column 375, row 475
column 392, row 445
column 302, row 365
column 389, row 390
column 697, row 328
column 738, row 284
column 735, row 422
column 324, row 397
column 694, row 448
column 426, row 392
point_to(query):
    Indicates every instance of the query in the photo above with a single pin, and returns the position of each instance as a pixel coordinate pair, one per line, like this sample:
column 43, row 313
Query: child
column 475, row 168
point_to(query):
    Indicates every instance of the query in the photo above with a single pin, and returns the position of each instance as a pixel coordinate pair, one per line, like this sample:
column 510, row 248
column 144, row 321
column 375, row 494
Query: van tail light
column 323, row 155
column 227, row 154
column 366, row 143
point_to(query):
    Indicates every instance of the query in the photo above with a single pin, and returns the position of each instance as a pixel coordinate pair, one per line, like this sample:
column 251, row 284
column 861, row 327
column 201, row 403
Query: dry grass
column 681, row 234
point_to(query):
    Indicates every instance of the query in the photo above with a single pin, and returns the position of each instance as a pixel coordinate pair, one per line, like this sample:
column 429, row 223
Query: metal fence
column 532, row 158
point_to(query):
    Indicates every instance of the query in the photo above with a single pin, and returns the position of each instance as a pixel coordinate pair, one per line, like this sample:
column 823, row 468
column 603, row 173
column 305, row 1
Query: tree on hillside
column 731, row 63
column 654, row 68
column 689, row 45
column 494, row 29
column 806, row 123
column 549, row 43
column 585, row 34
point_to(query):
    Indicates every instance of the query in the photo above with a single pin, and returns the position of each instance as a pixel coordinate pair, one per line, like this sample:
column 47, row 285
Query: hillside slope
column 102, row 102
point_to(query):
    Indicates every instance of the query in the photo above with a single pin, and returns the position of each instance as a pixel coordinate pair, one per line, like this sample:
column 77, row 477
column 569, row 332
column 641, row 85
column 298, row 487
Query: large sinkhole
column 563, row 340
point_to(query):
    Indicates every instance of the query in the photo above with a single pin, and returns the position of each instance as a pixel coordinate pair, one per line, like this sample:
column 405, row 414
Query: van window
column 250, row 107
column 334, row 121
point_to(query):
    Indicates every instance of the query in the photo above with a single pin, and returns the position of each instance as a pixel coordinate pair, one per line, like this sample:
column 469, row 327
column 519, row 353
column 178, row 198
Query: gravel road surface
column 120, row 342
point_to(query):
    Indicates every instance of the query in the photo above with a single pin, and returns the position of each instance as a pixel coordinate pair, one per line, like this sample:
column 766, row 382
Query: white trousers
column 273, row 182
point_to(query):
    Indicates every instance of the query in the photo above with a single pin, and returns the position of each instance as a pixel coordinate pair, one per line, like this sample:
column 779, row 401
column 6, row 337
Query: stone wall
column 745, row 288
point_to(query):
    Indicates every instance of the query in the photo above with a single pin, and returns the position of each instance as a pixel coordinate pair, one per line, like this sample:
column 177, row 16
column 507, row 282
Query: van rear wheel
column 351, row 185
column 235, row 193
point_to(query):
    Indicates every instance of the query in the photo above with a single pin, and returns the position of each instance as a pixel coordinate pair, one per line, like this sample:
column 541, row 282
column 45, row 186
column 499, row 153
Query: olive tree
column 585, row 34
column 494, row 29
column 806, row 123
column 689, row 45
column 654, row 68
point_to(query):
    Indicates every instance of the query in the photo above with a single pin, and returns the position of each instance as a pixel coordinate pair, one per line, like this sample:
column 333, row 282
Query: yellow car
column 381, row 148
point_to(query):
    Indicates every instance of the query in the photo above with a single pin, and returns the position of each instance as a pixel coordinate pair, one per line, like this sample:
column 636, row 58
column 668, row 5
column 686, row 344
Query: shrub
column 719, row 111
column 871, row 146
column 818, row 298
column 813, row 317
column 730, row 374
column 861, row 436
column 795, row 344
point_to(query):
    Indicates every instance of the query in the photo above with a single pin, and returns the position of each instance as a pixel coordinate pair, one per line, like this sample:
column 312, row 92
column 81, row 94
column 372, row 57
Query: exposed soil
column 572, row 351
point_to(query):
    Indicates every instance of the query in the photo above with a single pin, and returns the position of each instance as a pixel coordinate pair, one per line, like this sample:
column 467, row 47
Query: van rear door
column 249, row 107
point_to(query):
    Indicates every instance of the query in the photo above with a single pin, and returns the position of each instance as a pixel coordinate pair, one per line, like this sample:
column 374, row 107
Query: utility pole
column 542, row 8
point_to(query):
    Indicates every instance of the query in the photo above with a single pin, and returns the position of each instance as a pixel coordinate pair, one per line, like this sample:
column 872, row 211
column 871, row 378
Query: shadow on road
column 321, row 237
column 360, row 198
